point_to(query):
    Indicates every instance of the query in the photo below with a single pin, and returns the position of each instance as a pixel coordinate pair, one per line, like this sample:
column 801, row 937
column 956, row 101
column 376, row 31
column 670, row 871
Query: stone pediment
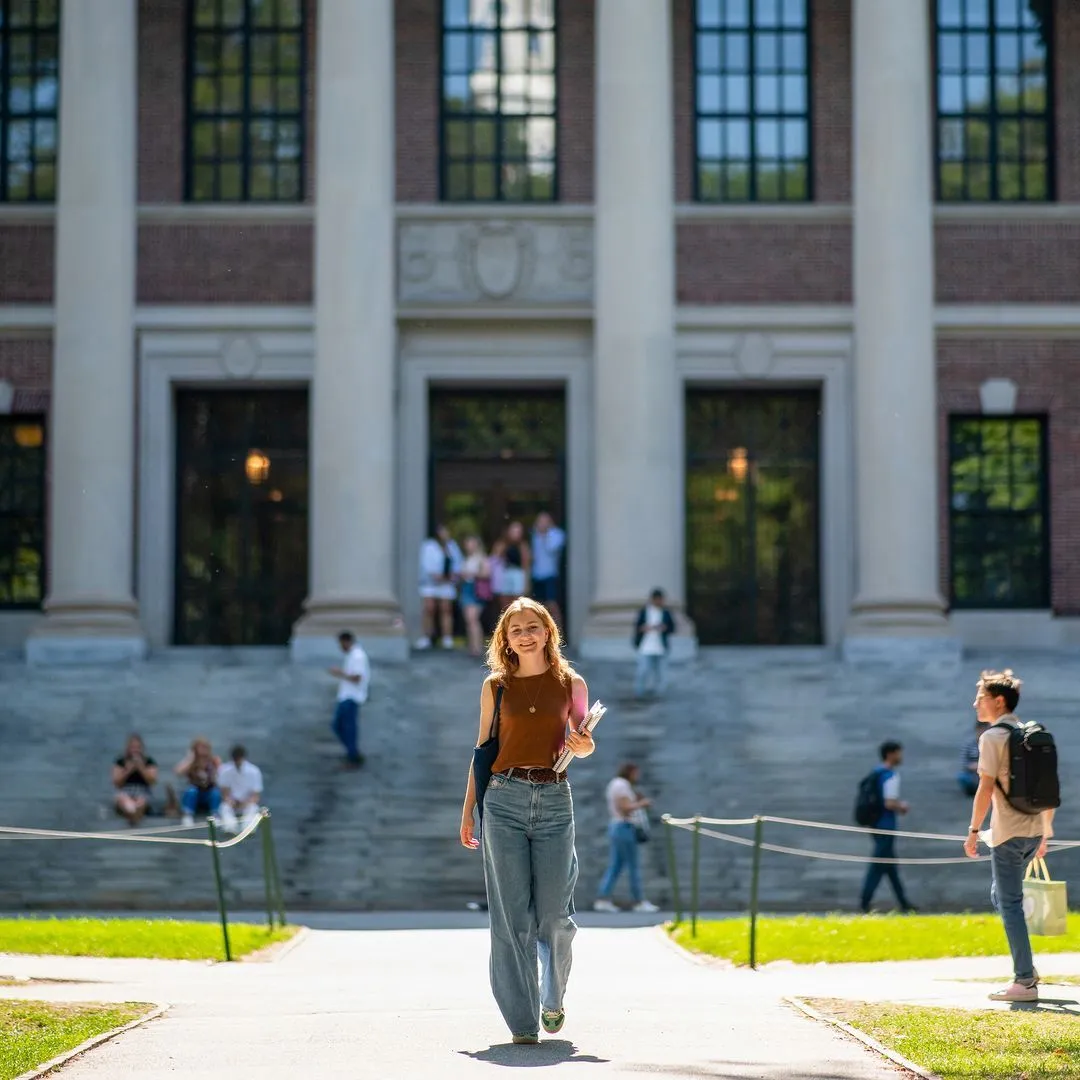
column 495, row 261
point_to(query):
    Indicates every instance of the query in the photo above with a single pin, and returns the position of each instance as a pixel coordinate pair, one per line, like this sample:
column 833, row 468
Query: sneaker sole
column 554, row 1027
column 525, row 1040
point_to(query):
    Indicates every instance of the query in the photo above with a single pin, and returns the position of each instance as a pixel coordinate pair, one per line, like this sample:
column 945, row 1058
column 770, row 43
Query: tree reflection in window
column 999, row 550
column 29, row 78
column 498, row 100
column 22, row 511
column 469, row 425
column 751, row 100
column 993, row 100
column 246, row 100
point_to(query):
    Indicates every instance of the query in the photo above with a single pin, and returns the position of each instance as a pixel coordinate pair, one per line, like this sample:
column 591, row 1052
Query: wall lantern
column 28, row 436
column 257, row 467
column 738, row 464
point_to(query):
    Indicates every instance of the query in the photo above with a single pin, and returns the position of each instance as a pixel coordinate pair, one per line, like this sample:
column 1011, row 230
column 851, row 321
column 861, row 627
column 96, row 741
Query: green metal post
column 695, row 876
column 755, row 879
column 673, row 870
column 275, row 873
column 264, row 828
column 220, row 887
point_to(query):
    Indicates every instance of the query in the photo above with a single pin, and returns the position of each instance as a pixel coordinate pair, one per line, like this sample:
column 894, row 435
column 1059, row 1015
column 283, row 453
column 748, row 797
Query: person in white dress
column 440, row 565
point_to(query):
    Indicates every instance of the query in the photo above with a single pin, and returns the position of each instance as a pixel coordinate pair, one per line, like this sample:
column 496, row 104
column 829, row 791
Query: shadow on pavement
column 1069, row 1006
column 546, row 1053
column 761, row 1070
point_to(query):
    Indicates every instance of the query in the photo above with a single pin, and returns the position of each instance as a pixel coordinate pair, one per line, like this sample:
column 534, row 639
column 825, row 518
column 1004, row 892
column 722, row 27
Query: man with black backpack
column 877, row 807
column 1018, row 778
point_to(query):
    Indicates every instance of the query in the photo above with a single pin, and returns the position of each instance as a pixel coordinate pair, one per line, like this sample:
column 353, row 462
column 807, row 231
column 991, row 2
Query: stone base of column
column 608, row 633
column 86, row 633
column 885, row 633
column 377, row 624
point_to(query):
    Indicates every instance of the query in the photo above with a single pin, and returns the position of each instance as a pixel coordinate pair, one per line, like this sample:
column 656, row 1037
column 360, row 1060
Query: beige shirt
column 1006, row 822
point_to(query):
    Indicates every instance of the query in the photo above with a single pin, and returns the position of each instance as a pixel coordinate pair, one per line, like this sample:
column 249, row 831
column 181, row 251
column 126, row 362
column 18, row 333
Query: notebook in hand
column 588, row 722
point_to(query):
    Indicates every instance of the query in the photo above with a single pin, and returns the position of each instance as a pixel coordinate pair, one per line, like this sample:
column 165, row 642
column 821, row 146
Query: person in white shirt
column 624, row 803
column 353, row 682
column 548, row 541
column 440, row 566
column 241, row 784
column 654, row 626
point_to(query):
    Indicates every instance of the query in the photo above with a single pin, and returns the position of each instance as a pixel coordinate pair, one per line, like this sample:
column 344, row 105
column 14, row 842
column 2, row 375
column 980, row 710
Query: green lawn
column 35, row 1032
column 814, row 939
column 958, row 1044
column 159, row 939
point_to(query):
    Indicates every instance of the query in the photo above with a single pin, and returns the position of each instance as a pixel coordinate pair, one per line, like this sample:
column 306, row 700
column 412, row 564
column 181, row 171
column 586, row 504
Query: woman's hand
column 581, row 743
column 466, row 833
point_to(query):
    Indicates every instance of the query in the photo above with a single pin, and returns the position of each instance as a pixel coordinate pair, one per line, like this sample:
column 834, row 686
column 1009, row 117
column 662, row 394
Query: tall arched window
column 994, row 115
column 498, row 101
column 245, row 101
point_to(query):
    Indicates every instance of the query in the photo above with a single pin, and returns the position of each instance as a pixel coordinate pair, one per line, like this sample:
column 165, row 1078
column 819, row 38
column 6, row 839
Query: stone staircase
column 786, row 733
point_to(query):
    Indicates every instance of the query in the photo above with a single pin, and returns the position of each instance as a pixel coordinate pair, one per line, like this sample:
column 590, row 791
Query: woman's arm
column 581, row 743
column 487, row 715
column 119, row 775
column 149, row 773
column 181, row 769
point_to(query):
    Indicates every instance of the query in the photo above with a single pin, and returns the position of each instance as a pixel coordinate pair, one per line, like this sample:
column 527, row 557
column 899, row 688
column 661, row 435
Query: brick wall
column 576, row 99
column 26, row 264
column 1067, row 99
column 1008, row 262
column 417, row 43
column 26, row 363
column 831, row 99
column 221, row 263
column 162, row 90
column 682, row 14
column 740, row 262
column 1045, row 373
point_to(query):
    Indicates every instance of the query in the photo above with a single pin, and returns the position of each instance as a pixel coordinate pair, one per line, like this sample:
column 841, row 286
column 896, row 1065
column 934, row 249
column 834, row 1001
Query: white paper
column 588, row 722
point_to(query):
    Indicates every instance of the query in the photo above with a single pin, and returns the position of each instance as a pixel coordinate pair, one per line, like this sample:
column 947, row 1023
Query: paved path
column 415, row 1004
column 404, row 1004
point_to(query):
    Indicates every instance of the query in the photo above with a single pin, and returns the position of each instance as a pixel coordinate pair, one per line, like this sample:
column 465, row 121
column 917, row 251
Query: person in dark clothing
column 892, row 756
column 652, row 632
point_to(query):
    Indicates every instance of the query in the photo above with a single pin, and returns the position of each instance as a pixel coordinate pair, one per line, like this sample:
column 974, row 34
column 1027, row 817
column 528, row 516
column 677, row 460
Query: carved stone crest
column 500, row 257
column 240, row 358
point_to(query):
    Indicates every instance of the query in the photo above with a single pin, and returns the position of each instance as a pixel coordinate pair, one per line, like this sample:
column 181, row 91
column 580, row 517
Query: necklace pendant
column 532, row 708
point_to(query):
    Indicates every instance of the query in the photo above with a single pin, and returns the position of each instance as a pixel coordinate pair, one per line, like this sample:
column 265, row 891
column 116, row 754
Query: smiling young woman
column 530, row 865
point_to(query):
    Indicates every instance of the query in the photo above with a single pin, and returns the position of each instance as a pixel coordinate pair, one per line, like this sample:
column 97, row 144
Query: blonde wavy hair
column 502, row 661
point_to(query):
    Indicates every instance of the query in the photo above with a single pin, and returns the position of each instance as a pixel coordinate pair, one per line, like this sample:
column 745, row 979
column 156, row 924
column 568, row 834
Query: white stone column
column 638, row 519
column 898, row 612
column 352, row 423
column 91, row 613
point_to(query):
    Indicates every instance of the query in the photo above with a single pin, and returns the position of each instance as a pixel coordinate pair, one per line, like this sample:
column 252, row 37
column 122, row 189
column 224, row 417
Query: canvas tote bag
column 1046, row 905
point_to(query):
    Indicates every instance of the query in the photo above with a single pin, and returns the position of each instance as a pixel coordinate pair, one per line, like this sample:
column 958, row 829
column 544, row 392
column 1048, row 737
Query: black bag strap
column 498, row 709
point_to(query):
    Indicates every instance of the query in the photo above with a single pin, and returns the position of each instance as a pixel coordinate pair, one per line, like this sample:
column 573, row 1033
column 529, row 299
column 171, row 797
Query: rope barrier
column 11, row 832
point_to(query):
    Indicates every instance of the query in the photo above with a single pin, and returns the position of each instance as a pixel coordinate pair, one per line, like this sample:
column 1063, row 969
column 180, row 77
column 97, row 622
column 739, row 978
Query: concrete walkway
column 404, row 1004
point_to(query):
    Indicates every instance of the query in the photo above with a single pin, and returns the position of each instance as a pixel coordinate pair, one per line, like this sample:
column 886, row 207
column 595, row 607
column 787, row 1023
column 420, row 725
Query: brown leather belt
column 536, row 776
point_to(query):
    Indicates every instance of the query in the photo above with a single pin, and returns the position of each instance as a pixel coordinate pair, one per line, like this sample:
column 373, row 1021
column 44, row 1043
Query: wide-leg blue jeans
column 1008, row 862
column 531, row 868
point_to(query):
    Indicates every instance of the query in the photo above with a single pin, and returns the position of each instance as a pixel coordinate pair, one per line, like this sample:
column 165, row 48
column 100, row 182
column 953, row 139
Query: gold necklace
column 536, row 697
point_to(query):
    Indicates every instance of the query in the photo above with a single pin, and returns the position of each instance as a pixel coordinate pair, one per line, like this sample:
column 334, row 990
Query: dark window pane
column 752, row 100
column 992, row 59
column 498, row 131
column 22, row 511
column 246, row 100
column 999, row 549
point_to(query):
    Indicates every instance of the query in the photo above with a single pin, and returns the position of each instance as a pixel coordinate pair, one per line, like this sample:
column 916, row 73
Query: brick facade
column 26, row 363
column 221, row 263
column 417, row 44
column 1045, row 374
column 26, row 264
column 747, row 262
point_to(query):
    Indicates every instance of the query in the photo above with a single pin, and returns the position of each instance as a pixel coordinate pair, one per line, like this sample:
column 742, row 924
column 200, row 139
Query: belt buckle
column 529, row 775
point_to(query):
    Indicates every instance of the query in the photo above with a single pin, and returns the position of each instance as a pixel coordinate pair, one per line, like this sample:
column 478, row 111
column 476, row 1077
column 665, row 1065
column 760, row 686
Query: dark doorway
column 241, row 516
column 752, row 537
column 496, row 456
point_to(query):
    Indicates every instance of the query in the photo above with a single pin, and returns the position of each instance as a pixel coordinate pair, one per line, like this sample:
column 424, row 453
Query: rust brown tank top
column 532, row 739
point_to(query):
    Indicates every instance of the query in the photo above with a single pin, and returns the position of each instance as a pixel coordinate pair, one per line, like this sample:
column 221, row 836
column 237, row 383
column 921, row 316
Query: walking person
column 475, row 592
column 888, row 777
column 652, row 633
column 548, row 541
column 530, row 865
column 1016, row 837
column 624, row 803
column 354, row 682
column 440, row 563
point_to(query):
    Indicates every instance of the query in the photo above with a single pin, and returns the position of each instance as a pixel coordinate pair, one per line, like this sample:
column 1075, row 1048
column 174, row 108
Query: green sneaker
column 526, row 1040
column 553, row 1020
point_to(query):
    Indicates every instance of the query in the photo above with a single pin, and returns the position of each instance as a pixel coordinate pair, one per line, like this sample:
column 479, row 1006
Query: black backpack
column 869, row 801
column 1033, row 770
